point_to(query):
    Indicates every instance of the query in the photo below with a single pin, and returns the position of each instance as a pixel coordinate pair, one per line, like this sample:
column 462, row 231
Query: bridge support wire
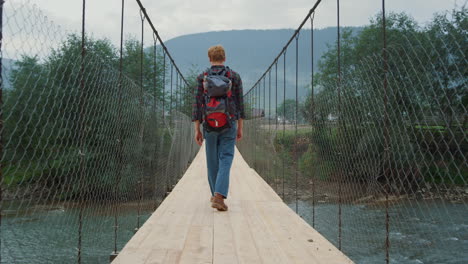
column 284, row 119
column 296, row 114
column 312, row 112
column 340, row 118
column 1, row 117
column 269, row 165
column 155, row 160
column 82, row 132
column 387, row 164
column 276, row 165
column 142, row 124
column 120, row 142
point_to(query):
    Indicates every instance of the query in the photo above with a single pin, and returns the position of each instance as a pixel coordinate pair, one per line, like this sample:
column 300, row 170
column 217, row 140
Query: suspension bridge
column 98, row 163
column 258, row 227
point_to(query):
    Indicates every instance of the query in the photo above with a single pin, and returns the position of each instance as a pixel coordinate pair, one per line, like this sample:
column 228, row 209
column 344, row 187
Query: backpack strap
column 228, row 72
column 205, row 74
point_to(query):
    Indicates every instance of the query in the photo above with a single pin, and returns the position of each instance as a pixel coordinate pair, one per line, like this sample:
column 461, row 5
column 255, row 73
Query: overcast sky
column 173, row 18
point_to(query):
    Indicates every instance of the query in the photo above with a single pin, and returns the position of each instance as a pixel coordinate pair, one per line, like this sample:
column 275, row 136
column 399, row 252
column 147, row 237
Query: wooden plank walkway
column 257, row 228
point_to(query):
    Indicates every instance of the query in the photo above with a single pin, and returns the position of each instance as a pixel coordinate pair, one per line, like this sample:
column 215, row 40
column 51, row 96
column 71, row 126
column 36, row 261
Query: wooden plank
column 269, row 250
column 245, row 247
column 258, row 228
column 198, row 246
column 156, row 256
column 238, row 189
column 172, row 256
column 166, row 211
column 295, row 234
column 265, row 192
column 223, row 240
column 134, row 258
column 164, row 234
column 203, row 215
column 259, row 189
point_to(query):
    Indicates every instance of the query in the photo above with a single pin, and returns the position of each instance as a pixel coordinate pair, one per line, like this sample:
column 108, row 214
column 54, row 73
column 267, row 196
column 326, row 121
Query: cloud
column 173, row 18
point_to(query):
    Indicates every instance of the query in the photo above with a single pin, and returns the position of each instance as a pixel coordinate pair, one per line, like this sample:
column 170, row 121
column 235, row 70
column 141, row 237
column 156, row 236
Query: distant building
column 257, row 113
column 332, row 117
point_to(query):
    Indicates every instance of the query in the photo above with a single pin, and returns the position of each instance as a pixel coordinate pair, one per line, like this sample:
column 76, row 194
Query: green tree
column 153, row 68
column 287, row 110
column 44, row 111
column 22, row 108
column 426, row 79
column 56, row 114
column 447, row 43
column 187, row 92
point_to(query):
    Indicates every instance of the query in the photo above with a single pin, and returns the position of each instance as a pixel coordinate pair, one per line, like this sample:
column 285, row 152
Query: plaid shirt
column 237, row 95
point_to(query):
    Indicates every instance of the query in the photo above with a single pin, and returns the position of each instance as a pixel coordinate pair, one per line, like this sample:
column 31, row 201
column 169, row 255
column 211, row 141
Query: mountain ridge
column 250, row 52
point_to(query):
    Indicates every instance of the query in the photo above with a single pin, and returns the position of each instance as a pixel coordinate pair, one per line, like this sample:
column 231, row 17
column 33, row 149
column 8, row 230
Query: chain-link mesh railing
column 369, row 144
column 92, row 139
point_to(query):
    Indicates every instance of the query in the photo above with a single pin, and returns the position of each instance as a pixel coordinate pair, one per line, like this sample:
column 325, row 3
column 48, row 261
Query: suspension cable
column 120, row 132
column 82, row 132
column 387, row 164
column 159, row 38
column 312, row 105
column 296, row 117
column 340, row 118
column 287, row 43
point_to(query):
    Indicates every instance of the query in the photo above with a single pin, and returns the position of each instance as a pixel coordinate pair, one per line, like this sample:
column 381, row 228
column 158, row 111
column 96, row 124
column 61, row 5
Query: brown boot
column 218, row 203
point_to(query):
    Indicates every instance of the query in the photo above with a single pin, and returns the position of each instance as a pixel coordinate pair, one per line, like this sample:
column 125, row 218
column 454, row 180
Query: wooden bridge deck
column 257, row 228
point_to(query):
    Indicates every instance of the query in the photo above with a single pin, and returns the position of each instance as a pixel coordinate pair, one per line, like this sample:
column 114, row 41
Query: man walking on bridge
column 219, row 107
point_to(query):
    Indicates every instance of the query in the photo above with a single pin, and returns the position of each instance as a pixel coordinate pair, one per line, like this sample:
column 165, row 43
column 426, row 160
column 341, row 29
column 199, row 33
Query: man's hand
column 240, row 125
column 199, row 137
column 198, row 133
column 239, row 134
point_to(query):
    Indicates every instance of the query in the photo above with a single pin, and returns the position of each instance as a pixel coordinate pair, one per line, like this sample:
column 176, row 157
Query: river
column 49, row 234
column 419, row 233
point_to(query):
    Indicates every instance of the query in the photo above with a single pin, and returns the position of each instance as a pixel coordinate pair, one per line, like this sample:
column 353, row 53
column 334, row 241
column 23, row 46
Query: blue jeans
column 219, row 155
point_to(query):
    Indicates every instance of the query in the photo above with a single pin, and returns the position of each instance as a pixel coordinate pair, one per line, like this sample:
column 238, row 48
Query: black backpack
column 217, row 111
